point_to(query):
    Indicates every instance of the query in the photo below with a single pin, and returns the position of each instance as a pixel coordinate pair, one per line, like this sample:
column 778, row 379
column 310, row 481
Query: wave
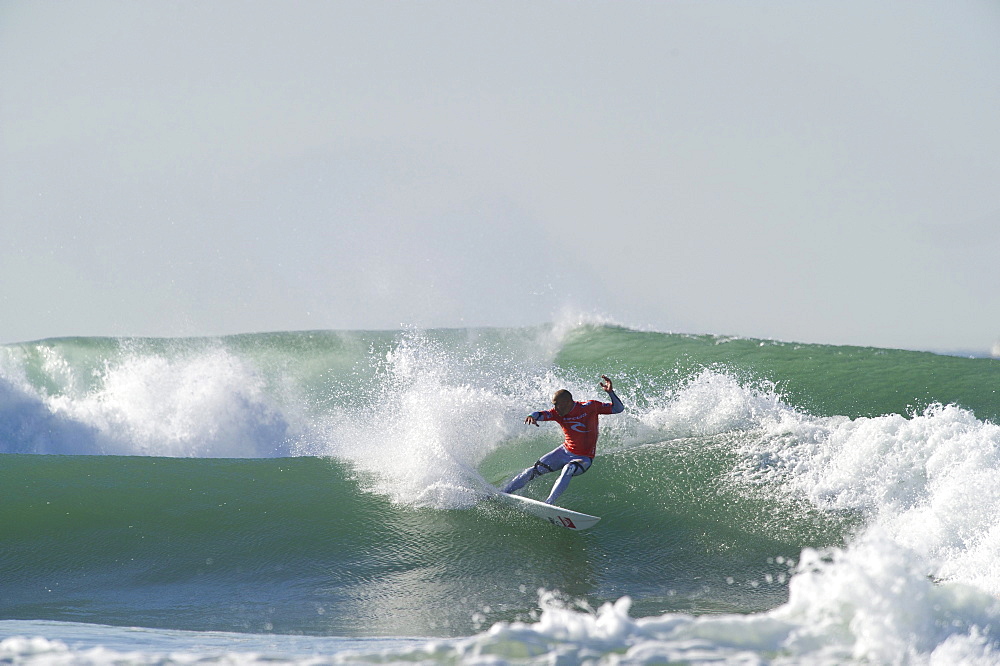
column 761, row 500
column 273, row 394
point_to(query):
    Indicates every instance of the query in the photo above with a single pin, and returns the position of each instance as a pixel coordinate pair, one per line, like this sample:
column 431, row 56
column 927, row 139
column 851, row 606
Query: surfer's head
column 563, row 401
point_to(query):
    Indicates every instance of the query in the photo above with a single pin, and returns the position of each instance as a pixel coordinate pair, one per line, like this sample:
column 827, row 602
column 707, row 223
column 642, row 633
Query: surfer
column 579, row 424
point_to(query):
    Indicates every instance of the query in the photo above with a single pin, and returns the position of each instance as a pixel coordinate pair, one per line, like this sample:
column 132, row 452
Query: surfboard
column 573, row 520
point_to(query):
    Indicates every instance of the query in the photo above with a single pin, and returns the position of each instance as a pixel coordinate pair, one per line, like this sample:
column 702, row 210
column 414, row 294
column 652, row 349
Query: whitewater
column 326, row 497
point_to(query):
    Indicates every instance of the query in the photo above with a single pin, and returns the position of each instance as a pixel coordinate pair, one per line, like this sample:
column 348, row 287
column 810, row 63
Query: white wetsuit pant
column 570, row 464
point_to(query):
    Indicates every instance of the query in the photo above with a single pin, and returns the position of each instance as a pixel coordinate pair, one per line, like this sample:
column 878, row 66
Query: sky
column 822, row 172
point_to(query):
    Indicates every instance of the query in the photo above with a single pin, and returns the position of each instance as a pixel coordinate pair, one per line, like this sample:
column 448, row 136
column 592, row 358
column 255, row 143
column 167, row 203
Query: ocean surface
column 327, row 497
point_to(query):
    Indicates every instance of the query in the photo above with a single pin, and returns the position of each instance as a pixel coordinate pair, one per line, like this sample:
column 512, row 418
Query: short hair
column 561, row 393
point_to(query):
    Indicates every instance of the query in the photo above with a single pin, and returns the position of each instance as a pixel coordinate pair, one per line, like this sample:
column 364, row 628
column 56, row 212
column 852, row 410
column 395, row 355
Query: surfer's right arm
column 532, row 418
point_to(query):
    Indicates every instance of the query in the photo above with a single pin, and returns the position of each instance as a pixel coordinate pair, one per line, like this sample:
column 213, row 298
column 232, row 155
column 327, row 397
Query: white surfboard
column 573, row 520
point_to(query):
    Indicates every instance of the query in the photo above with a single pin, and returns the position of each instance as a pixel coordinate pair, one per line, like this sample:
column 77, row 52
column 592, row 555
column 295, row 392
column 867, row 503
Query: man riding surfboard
column 579, row 424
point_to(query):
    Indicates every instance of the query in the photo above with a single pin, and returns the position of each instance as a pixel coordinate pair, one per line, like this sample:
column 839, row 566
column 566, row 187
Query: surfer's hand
column 606, row 383
column 531, row 419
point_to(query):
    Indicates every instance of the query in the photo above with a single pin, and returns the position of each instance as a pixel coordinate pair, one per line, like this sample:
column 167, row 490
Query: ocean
column 327, row 497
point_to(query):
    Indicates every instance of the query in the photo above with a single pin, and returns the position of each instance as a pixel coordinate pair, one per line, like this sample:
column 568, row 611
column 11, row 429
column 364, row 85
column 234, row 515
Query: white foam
column 48, row 643
column 210, row 404
column 863, row 605
column 931, row 482
column 876, row 602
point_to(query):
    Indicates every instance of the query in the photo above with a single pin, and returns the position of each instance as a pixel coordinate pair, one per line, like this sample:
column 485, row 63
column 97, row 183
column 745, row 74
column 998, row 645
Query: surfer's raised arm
column 616, row 404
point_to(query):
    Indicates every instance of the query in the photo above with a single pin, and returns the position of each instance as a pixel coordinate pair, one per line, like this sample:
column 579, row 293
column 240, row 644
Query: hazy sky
column 809, row 171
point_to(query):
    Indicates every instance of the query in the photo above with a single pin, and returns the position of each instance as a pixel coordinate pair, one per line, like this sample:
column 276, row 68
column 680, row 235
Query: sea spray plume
column 711, row 403
column 208, row 403
column 569, row 320
column 28, row 425
column 433, row 413
column 436, row 405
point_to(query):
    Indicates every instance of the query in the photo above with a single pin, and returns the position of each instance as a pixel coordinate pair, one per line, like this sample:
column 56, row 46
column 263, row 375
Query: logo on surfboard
column 564, row 521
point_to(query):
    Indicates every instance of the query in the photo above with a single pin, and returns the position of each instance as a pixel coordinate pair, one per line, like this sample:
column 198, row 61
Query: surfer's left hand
column 606, row 383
